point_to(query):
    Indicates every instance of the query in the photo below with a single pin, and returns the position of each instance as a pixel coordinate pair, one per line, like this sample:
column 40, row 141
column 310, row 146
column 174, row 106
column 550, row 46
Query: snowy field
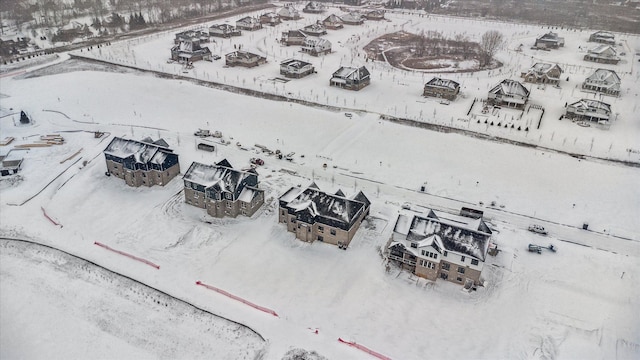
column 579, row 303
column 398, row 92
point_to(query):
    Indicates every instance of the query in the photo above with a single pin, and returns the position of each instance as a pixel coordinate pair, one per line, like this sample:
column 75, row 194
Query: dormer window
column 414, row 245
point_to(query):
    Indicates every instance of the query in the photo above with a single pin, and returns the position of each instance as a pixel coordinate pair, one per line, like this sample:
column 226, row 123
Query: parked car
column 215, row 57
column 538, row 229
column 535, row 248
column 256, row 161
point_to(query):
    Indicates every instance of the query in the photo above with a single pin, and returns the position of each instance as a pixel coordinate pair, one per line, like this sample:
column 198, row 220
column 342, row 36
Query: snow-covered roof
column 313, row 205
column 551, row 36
column 351, row 17
column 443, row 83
column 351, row 73
column 223, row 27
column 294, row 63
column 589, row 105
column 604, row 78
column 248, row 20
column 288, row 11
column 603, row 50
column 249, row 193
column 240, row 54
column 316, row 42
column 333, row 18
column 142, row 152
column 510, row 87
column 220, row 176
column 450, row 232
column 603, row 35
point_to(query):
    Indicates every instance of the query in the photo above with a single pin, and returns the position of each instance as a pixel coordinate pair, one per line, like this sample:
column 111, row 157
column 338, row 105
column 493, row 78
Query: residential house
column 293, row 68
column 293, row 37
column 333, row 22
column 603, row 37
column 439, row 245
column 314, row 7
column 604, row 54
column 316, row 46
column 374, row 15
column 145, row 162
column 190, row 51
column 352, row 18
column 351, row 78
column 316, row 215
column 589, row 110
column 195, row 36
column 549, row 40
column 441, row 88
column 224, row 31
column 270, row 18
column 543, row 73
column 289, row 13
column 604, row 81
column 11, row 162
column 222, row 190
column 316, row 29
column 509, row 93
column 244, row 58
column 249, row 23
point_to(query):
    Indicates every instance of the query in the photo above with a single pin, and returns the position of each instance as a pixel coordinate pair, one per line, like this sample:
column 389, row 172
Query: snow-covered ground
column 581, row 302
column 398, row 93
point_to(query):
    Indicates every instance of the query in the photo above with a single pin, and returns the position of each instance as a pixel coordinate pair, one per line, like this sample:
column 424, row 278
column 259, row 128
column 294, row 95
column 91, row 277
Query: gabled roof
column 352, row 73
column 314, row 41
column 451, row 232
column 142, row 152
column 542, row 67
column 248, row 20
column 603, row 35
column 289, row 11
column 443, row 83
column 510, row 87
column 603, row 50
column 242, row 55
column 550, row 36
column 333, row 18
column 218, row 176
column 311, row 205
column 351, row 17
column 589, row 105
column 604, row 77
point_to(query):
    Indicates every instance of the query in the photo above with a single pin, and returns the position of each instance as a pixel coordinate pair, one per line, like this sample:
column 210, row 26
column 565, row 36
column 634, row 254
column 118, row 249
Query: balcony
column 402, row 260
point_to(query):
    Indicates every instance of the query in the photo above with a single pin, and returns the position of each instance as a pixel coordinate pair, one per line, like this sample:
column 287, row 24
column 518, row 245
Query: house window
column 459, row 279
column 228, row 205
column 474, row 262
column 283, row 213
column 445, row 253
column 432, row 266
column 424, row 253
column 445, row 266
column 414, row 245
column 460, row 269
column 462, row 258
column 320, row 238
column 243, row 205
column 333, row 231
column 435, row 256
column 444, row 276
column 227, row 196
column 293, row 220
column 320, row 228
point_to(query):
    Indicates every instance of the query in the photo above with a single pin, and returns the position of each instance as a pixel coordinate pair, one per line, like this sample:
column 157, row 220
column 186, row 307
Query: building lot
column 528, row 308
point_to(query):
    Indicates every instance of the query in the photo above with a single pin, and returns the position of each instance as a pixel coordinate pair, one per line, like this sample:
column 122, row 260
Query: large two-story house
column 145, row 162
column 604, row 81
column 316, row 46
column 603, row 37
column 314, row 215
column 244, row 58
column 589, row 110
column 190, row 51
column 509, row 93
column 549, row 40
column 438, row 245
column 293, row 68
column 224, row 31
column 543, row 73
column 249, row 23
column 222, row 190
column 351, row 78
column 604, row 54
column 441, row 88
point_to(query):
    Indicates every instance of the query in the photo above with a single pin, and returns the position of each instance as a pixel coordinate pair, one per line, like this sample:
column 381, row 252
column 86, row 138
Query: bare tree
column 489, row 45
